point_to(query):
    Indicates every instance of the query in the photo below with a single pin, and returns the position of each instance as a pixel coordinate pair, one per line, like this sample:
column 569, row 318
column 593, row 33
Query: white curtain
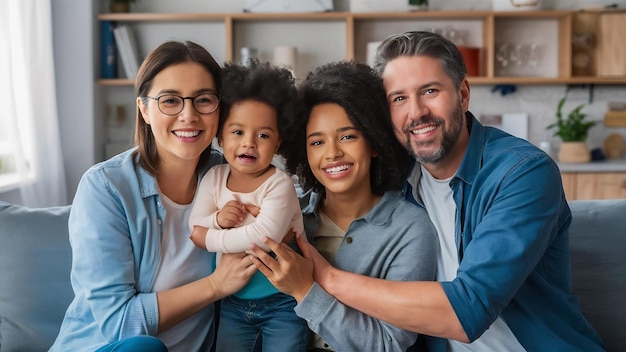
column 28, row 100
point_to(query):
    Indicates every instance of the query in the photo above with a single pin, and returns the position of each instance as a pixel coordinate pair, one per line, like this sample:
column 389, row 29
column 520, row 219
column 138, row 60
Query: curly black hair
column 360, row 92
column 261, row 82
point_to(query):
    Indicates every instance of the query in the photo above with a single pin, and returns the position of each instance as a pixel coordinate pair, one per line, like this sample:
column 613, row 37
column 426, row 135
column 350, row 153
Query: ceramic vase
column 574, row 152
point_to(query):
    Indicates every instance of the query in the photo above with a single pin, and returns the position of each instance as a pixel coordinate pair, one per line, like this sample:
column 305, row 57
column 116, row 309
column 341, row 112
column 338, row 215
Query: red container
column 471, row 56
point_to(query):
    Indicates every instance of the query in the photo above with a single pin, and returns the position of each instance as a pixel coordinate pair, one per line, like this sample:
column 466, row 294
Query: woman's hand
column 289, row 272
column 232, row 273
column 321, row 267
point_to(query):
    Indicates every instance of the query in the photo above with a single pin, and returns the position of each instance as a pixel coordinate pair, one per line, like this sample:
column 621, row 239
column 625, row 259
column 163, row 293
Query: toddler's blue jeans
column 267, row 324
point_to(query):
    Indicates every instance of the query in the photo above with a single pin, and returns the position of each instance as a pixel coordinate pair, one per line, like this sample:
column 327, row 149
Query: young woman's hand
column 321, row 267
column 290, row 272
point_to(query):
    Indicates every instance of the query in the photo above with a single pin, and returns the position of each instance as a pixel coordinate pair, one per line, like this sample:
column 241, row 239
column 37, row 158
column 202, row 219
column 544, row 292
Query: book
column 108, row 51
column 127, row 47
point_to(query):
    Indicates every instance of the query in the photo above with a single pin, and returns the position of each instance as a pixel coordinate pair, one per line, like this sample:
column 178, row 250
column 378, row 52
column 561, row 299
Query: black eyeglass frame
column 193, row 99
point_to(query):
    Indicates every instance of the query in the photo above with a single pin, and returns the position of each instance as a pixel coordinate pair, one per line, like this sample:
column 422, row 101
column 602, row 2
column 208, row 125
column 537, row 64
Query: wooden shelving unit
column 484, row 28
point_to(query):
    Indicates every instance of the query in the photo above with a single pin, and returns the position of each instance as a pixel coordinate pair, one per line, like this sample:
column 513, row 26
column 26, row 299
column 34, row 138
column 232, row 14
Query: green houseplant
column 574, row 128
column 573, row 131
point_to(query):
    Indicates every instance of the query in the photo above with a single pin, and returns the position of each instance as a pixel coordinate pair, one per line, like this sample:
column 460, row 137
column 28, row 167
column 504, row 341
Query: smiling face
column 337, row 153
column 184, row 136
column 427, row 111
column 250, row 137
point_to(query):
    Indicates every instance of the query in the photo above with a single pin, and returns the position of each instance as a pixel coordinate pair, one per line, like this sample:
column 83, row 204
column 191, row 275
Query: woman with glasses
column 140, row 284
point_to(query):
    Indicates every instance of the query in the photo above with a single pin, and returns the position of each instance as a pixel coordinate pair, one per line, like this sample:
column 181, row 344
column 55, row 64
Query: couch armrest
column 35, row 261
column 597, row 243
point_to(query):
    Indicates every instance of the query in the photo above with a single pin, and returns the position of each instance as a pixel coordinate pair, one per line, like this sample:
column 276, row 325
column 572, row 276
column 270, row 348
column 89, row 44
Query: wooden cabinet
column 594, row 185
column 331, row 36
column 598, row 38
column 569, row 185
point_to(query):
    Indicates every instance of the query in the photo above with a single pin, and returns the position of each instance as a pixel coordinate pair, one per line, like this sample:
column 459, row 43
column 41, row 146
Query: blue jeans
column 267, row 324
column 141, row 343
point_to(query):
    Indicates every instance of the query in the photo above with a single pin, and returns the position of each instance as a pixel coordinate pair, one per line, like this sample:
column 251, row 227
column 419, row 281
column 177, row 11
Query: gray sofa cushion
column 598, row 243
column 35, row 259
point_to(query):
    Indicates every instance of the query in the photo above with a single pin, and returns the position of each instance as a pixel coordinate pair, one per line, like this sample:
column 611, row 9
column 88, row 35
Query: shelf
column 175, row 17
column 116, row 82
column 160, row 17
column 334, row 36
column 484, row 30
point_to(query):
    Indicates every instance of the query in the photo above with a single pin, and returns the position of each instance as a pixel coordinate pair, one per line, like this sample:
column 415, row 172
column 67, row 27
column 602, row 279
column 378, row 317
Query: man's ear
column 465, row 95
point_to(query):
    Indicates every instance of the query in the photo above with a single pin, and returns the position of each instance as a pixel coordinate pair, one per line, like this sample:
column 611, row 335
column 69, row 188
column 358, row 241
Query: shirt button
column 159, row 221
column 349, row 240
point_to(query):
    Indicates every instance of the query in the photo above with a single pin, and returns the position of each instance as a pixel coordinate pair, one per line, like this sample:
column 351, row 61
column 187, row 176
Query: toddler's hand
column 231, row 215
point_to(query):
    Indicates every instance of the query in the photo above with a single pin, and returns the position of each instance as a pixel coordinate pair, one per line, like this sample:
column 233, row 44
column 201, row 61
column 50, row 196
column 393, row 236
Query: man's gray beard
column 450, row 138
column 427, row 159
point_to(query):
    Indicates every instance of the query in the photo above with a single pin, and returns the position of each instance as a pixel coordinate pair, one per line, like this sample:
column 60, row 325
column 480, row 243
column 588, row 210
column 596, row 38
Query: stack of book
column 108, row 51
column 118, row 43
column 127, row 48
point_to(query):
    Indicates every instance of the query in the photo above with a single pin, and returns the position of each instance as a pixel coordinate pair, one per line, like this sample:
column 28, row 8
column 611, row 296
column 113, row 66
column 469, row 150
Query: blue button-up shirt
column 511, row 231
column 115, row 230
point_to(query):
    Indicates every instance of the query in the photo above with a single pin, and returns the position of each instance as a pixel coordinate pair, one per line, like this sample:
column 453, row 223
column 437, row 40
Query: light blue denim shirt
column 512, row 238
column 115, row 233
column 392, row 241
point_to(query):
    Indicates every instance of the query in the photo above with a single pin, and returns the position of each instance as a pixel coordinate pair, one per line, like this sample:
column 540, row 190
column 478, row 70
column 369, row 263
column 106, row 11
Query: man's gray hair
column 421, row 43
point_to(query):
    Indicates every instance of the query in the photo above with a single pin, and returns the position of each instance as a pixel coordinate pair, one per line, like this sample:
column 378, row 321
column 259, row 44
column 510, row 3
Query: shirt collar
column 379, row 215
column 473, row 158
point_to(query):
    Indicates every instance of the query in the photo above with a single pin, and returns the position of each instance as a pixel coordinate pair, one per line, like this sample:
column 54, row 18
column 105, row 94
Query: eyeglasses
column 172, row 104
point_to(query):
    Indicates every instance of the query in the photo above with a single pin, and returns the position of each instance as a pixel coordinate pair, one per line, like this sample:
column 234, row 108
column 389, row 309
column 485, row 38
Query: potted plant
column 118, row 6
column 419, row 5
column 573, row 132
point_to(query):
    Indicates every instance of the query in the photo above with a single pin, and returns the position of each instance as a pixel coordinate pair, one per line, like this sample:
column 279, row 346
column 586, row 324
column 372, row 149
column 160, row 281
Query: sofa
column 35, row 258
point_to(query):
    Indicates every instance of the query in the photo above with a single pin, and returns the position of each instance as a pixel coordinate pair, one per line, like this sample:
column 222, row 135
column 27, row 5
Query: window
column 9, row 178
column 30, row 153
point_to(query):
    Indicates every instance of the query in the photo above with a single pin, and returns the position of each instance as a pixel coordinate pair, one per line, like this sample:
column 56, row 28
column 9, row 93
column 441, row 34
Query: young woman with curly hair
column 343, row 149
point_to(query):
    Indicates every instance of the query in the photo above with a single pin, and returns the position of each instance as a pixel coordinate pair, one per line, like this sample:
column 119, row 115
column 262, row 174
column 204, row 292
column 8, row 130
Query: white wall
column 73, row 36
column 74, row 28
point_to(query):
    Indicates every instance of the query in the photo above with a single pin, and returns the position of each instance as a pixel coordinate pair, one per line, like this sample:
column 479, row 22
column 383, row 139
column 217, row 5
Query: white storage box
column 380, row 5
column 288, row 6
column 516, row 5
